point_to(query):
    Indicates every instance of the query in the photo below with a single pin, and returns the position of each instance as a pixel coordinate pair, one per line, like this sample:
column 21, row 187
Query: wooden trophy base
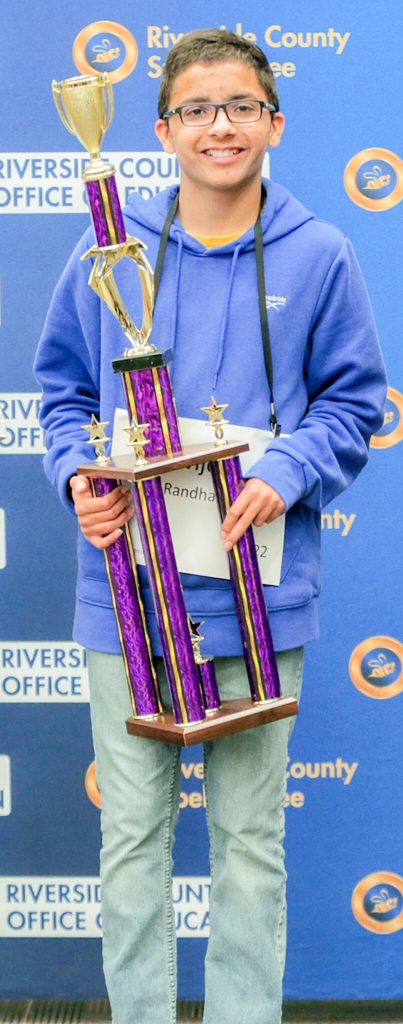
column 124, row 467
column 233, row 716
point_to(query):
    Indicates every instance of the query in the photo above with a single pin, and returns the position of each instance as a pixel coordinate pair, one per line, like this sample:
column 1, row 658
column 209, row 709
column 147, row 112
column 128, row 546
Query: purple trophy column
column 182, row 671
column 252, row 612
column 106, row 211
column 150, row 400
column 211, row 696
column 136, row 648
column 170, row 408
column 130, row 617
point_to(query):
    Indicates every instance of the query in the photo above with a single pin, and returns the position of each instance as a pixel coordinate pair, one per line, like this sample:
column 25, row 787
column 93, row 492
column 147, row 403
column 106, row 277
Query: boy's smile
column 222, row 155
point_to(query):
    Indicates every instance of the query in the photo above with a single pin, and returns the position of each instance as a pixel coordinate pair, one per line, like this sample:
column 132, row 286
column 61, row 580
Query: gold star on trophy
column 196, row 639
column 215, row 414
column 97, row 437
column 137, row 441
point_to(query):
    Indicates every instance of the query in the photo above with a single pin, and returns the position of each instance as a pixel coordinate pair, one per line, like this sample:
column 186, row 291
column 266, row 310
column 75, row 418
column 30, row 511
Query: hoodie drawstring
column 221, row 344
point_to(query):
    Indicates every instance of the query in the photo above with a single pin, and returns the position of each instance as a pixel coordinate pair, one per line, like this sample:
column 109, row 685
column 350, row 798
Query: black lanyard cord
column 159, row 266
column 264, row 325
column 264, row 320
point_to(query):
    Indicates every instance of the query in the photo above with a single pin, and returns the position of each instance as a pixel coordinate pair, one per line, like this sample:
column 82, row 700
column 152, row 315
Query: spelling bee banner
column 340, row 157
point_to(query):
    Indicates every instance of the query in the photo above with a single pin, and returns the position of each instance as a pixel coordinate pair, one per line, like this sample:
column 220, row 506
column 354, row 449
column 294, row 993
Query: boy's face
column 222, row 155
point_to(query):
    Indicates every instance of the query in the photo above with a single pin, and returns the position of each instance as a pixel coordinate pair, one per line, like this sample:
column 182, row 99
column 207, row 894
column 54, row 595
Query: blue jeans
column 245, row 778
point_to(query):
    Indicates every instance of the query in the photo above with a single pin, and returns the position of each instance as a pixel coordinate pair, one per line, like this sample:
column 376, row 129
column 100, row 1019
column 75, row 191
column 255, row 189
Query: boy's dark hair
column 214, row 44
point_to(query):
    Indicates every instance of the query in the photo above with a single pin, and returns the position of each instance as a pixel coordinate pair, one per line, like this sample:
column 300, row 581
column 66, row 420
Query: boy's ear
column 163, row 133
column 276, row 130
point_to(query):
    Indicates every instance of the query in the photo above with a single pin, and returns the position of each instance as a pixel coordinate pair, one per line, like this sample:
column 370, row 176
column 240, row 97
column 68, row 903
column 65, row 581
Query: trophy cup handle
column 57, row 96
column 106, row 84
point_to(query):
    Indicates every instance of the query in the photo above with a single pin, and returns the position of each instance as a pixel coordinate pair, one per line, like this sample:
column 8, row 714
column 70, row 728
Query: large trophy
column 85, row 105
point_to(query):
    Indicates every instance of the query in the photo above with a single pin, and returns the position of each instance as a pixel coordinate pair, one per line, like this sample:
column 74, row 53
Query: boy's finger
column 86, row 502
column 105, row 542
column 237, row 509
column 80, row 484
column 242, row 524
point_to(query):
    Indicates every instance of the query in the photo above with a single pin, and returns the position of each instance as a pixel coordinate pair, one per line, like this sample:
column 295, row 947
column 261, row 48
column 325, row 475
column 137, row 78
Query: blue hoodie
column 329, row 386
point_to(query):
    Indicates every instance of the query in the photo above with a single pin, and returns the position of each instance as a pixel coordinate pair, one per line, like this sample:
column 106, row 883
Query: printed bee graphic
column 105, row 52
column 376, row 179
column 383, row 902
column 381, row 667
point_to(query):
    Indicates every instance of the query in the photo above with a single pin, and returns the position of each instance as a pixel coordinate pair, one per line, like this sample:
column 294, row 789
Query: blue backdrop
column 337, row 68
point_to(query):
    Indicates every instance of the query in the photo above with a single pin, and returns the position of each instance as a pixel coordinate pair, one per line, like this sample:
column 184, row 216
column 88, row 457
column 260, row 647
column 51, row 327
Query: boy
column 218, row 112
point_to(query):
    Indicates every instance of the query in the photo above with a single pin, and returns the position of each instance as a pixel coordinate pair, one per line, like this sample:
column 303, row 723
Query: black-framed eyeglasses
column 200, row 115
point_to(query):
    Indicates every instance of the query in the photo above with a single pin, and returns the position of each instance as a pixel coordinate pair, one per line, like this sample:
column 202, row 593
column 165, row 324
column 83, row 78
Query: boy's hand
column 257, row 503
column 101, row 519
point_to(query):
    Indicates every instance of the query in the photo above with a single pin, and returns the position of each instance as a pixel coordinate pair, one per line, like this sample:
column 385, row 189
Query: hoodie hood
column 281, row 215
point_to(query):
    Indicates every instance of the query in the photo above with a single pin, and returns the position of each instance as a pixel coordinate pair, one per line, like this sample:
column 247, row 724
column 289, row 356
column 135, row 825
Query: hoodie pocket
column 295, row 529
